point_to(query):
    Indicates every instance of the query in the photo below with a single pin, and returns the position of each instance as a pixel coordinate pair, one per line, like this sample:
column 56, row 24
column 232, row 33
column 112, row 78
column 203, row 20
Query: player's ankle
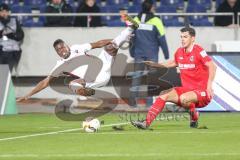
column 148, row 123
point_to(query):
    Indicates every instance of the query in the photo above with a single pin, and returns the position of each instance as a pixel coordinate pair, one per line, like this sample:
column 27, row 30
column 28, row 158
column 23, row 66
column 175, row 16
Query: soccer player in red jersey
column 197, row 72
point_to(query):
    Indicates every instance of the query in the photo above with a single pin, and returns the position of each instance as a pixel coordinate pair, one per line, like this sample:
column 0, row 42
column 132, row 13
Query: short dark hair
column 56, row 42
column 4, row 6
column 190, row 30
column 146, row 6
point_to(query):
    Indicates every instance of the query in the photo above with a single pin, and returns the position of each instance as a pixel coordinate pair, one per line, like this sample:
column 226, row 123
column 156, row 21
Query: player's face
column 56, row 2
column 62, row 50
column 186, row 39
column 232, row 3
column 90, row 3
column 4, row 14
column 123, row 12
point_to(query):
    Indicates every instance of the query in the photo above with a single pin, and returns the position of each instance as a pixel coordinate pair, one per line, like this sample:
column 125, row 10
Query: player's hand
column 130, row 37
column 22, row 99
column 210, row 92
column 150, row 63
column 153, row 64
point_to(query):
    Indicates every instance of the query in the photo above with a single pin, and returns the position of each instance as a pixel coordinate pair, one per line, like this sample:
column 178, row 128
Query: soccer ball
column 92, row 125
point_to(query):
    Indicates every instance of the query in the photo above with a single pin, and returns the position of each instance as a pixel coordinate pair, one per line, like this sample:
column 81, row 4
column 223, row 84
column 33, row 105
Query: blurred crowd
column 118, row 6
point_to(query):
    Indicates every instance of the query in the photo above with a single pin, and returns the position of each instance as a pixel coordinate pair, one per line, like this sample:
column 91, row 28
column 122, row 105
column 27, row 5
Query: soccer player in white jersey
column 79, row 85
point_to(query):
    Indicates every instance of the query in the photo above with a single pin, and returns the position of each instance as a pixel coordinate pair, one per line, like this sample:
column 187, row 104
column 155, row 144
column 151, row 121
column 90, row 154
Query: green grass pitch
column 37, row 136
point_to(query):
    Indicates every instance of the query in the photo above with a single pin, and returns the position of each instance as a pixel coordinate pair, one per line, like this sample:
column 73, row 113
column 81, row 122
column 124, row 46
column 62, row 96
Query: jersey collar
column 190, row 49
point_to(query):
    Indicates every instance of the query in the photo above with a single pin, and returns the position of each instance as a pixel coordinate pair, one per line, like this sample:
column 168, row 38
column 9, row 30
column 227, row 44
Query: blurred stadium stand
column 134, row 6
column 198, row 20
column 21, row 9
column 218, row 2
column 169, row 20
column 35, row 3
column 207, row 4
column 116, row 2
column 10, row 2
column 173, row 3
column 34, row 22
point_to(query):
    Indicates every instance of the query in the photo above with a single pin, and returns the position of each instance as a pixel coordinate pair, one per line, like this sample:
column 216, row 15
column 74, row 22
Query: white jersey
column 67, row 65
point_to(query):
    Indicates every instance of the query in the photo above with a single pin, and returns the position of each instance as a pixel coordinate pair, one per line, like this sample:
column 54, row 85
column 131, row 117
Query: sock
column 192, row 110
column 74, row 86
column 123, row 36
column 155, row 109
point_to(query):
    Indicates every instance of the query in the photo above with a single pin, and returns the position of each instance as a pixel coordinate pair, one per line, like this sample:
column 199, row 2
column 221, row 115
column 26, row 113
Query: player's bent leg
column 169, row 95
column 78, row 87
column 157, row 107
column 124, row 36
column 189, row 100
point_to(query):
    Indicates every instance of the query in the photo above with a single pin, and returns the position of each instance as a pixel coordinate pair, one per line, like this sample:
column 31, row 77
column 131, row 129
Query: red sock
column 155, row 109
column 192, row 108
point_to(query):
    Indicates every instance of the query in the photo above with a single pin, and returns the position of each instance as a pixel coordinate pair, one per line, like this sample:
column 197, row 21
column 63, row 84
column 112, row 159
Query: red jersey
column 193, row 71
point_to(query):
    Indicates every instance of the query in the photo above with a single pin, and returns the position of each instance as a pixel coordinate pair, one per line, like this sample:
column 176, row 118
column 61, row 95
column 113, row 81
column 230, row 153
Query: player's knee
column 167, row 95
column 164, row 96
column 185, row 102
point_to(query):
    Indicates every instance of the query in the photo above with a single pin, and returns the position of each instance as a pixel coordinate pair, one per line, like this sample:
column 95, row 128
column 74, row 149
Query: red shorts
column 202, row 96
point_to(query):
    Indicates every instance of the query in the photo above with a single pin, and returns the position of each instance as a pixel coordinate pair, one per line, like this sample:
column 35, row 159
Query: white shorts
column 104, row 75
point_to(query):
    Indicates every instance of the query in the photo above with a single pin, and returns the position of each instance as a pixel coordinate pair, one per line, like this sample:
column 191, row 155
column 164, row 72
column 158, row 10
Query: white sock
column 74, row 86
column 123, row 36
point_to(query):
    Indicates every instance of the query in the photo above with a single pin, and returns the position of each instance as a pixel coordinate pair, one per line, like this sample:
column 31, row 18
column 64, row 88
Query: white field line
column 5, row 94
column 200, row 131
column 137, row 132
column 116, row 155
column 56, row 132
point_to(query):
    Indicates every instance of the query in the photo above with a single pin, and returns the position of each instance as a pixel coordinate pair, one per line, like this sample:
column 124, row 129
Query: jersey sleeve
column 83, row 48
column 203, row 57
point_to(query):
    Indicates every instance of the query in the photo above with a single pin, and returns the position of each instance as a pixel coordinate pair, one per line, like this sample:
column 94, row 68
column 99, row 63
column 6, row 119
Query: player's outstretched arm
column 40, row 86
column 101, row 43
column 212, row 72
column 168, row 64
